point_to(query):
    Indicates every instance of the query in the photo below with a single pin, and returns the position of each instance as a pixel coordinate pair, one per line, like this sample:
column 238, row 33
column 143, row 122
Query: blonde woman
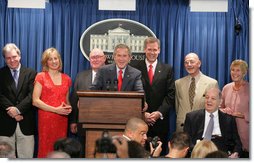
column 236, row 101
column 50, row 95
column 202, row 148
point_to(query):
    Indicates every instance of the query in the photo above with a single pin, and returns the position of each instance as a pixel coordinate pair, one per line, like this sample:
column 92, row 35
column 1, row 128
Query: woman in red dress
column 51, row 97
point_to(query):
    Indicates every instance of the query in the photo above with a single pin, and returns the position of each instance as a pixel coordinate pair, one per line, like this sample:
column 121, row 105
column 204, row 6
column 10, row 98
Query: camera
column 155, row 141
column 104, row 144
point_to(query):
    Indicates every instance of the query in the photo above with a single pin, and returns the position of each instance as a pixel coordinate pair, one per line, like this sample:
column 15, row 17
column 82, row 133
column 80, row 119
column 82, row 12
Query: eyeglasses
column 96, row 57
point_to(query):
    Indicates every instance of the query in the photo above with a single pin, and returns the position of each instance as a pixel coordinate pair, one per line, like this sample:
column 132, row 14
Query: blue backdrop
column 211, row 35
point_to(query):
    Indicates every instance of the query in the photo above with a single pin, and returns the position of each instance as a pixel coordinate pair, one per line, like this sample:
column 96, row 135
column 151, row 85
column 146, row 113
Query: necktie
column 192, row 91
column 150, row 74
column 93, row 77
column 15, row 77
column 209, row 129
column 120, row 80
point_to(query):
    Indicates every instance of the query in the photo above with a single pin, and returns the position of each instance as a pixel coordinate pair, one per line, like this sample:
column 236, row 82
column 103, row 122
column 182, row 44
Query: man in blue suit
column 107, row 77
column 224, row 131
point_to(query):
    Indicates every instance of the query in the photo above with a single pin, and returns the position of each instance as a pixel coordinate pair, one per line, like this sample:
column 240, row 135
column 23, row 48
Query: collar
column 215, row 113
column 154, row 64
column 18, row 69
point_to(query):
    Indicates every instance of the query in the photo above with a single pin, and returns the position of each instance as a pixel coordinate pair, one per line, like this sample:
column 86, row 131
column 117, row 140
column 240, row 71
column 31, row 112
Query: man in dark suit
column 17, row 115
column 158, row 83
column 224, row 131
column 119, row 75
column 82, row 82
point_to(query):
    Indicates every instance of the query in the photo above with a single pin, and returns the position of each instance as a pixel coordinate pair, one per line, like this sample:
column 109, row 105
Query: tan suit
column 182, row 96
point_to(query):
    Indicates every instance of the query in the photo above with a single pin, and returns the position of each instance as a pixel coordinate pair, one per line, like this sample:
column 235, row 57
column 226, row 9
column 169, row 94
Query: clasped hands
column 151, row 118
column 12, row 112
column 63, row 109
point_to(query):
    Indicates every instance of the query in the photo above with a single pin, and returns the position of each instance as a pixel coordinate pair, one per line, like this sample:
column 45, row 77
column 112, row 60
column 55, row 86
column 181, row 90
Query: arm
column 73, row 116
column 62, row 109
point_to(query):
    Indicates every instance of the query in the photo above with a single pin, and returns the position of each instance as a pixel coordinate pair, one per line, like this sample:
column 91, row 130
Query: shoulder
column 195, row 113
column 84, row 73
column 183, row 79
column 66, row 76
column 3, row 69
column 208, row 79
column 227, row 86
column 164, row 65
column 28, row 69
column 133, row 70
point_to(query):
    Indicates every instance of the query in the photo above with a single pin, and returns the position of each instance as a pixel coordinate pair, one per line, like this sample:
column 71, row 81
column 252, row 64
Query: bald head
column 97, row 59
column 136, row 130
column 192, row 64
column 133, row 124
column 192, row 55
column 212, row 99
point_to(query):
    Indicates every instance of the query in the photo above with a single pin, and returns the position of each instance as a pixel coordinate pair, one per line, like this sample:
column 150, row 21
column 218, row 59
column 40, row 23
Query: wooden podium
column 105, row 110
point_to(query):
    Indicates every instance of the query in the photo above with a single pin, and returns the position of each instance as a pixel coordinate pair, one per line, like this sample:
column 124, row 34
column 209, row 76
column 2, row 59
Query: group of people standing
column 22, row 90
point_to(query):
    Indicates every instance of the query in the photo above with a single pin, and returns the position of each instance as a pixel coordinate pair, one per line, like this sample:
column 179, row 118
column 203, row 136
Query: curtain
column 209, row 34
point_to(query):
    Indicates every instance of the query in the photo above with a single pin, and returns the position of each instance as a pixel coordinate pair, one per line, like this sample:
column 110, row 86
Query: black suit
column 229, row 140
column 21, row 97
column 82, row 82
column 106, row 78
column 160, row 96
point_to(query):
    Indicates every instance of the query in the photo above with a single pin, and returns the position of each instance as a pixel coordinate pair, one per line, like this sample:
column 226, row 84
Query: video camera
column 104, row 144
column 154, row 141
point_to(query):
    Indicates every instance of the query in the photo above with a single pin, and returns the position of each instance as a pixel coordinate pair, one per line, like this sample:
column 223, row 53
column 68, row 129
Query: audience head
column 51, row 59
column 238, row 70
column 212, row 99
column 6, row 150
column 152, row 49
column 202, row 148
column 217, row 154
column 136, row 130
column 136, row 150
column 179, row 143
column 58, row 154
column 70, row 146
column 192, row 64
column 97, row 59
column 122, row 55
column 12, row 55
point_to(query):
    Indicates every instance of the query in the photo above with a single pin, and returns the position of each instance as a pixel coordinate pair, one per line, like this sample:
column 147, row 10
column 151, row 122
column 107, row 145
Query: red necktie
column 120, row 80
column 150, row 74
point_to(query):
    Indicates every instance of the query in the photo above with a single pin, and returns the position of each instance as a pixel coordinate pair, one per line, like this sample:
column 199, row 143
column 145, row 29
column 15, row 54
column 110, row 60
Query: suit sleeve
column 138, row 86
column 26, row 103
column 169, row 99
column 73, row 117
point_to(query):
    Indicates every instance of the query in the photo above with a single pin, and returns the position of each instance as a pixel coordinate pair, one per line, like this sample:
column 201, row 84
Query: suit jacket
column 82, row 82
column 106, row 79
column 182, row 97
column 21, row 97
column 230, row 140
column 160, row 96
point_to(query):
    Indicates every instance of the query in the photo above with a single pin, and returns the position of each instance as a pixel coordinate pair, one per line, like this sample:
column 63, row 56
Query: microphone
column 108, row 82
column 115, row 84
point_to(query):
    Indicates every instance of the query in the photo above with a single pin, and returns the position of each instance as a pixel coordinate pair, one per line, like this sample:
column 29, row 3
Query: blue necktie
column 15, row 77
column 209, row 129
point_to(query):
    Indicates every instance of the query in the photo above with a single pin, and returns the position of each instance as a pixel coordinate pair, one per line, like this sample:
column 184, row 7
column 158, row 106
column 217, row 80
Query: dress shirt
column 216, row 127
column 93, row 75
column 154, row 65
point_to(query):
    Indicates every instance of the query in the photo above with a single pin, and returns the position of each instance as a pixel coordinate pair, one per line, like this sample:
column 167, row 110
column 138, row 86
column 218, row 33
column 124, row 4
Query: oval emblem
column 108, row 33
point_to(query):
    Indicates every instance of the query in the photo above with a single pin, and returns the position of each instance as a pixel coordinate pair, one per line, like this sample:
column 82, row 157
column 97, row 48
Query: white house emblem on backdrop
column 108, row 33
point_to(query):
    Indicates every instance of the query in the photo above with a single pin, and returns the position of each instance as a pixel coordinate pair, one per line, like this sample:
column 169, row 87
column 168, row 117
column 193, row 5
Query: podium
column 106, row 110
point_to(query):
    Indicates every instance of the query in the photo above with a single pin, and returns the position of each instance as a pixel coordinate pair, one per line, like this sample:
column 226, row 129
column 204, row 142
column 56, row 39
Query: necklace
column 237, row 87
